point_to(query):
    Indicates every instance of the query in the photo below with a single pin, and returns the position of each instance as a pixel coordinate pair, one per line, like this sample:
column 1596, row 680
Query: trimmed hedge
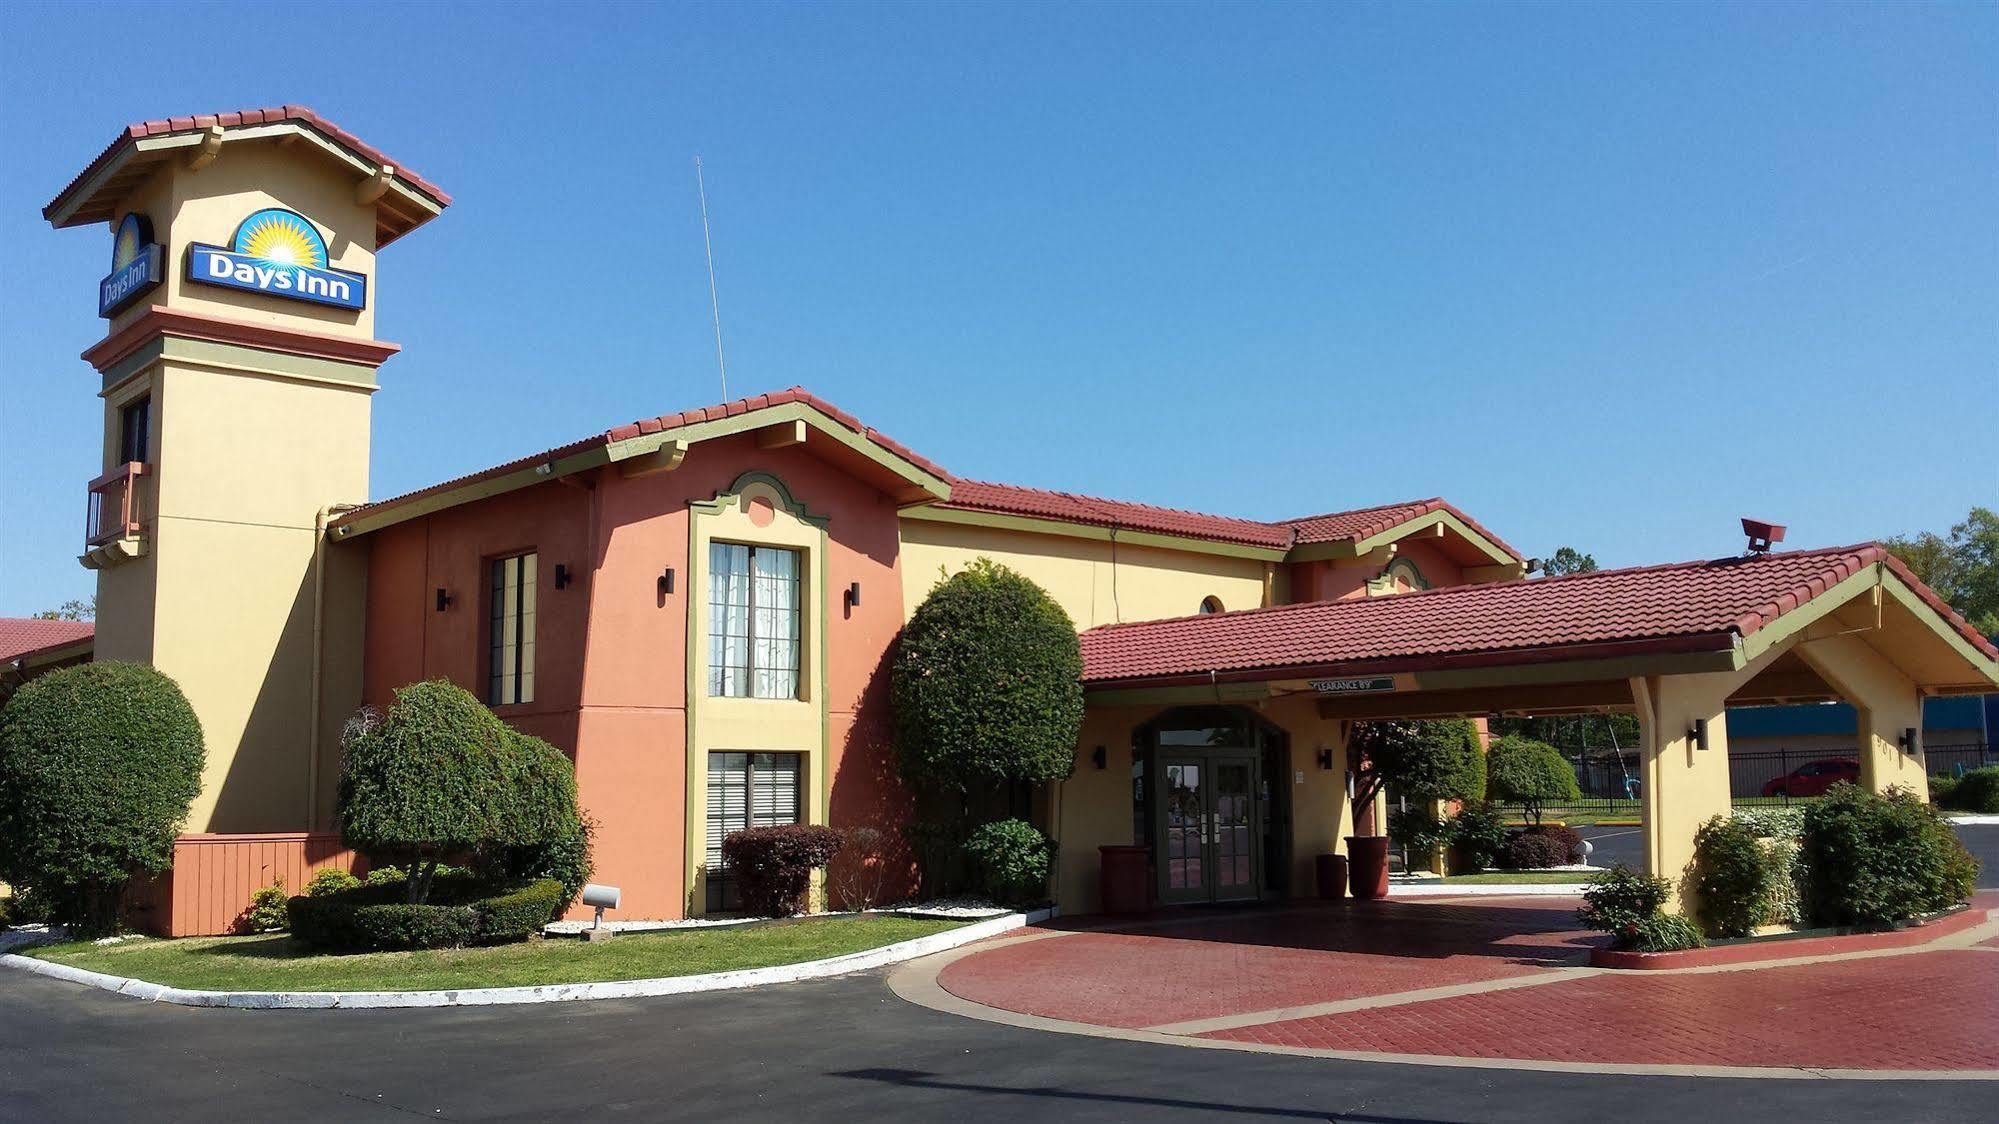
column 1976, row 791
column 463, row 911
column 98, row 765
column 1872, row 860
column 1011, row 859
column 773, row 865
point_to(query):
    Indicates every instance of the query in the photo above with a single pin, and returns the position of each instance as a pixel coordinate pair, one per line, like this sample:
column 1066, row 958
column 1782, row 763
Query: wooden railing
column 114, row 509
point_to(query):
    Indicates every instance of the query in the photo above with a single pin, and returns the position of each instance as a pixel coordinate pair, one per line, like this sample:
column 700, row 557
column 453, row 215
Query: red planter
column 1332, row 872
column 1368, row 872
column 1124, row 883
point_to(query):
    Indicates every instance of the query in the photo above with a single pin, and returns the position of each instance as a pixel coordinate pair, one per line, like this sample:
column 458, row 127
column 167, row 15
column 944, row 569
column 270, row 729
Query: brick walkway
column 1929, row 1008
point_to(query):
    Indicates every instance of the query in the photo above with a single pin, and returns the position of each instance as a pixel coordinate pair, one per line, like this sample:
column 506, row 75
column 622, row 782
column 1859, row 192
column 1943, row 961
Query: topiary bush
column 773, row 865
column 1874, row 860
column 1626, row 904
column 1529, row 773
column 1731, row 878
column 1010, row 859
column 98, row 766
column 987, row 684
column 1479, row 833
column 1976, row 791
column 544, row 834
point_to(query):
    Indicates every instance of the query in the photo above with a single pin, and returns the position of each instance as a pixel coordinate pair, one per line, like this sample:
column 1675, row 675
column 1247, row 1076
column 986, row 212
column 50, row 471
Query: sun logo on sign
column 133, row 234
column 281, row 238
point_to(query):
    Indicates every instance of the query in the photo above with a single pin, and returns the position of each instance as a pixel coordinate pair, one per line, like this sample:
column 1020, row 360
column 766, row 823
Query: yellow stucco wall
column 1146, row 583
column 1886, row 703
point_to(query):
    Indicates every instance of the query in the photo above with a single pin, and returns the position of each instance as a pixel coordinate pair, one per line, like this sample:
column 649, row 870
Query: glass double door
column 1207, row 834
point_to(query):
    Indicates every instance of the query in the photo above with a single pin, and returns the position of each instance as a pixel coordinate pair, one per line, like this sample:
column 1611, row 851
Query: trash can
column 1332, row 872
column 1124, row 882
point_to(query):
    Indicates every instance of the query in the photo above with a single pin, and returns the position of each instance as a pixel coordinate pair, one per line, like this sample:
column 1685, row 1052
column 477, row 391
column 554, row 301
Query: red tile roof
column 1690, row 606
column 244, row 117
column 1353, row 526
column 659, row 424
column 1066, row 507
column 25, row 636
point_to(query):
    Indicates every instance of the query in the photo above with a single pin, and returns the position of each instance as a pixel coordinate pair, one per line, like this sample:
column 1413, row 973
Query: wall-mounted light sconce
column 444, row 599
column 1697, row 733
column 1908, row 739
column 561, row 576
column 666, row 582
column 1325, row 759
column 1100, row 757
column 853, row 594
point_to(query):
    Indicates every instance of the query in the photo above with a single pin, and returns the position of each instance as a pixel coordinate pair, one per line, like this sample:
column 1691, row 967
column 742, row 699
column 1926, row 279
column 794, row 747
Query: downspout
column 315, row 719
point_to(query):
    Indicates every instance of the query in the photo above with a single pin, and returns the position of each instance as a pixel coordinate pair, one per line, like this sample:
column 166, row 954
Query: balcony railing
column 115, row 509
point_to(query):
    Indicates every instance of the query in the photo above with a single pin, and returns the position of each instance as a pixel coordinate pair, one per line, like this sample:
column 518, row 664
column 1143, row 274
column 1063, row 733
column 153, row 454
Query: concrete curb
column 1974, row 820
column 1501, row 889
column 545, row 993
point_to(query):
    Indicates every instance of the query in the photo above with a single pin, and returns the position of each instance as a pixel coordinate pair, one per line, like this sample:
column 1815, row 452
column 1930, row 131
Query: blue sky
column 1604, row 276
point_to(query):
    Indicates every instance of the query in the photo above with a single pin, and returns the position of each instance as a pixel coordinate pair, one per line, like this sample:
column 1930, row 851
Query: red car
column 1813, row 778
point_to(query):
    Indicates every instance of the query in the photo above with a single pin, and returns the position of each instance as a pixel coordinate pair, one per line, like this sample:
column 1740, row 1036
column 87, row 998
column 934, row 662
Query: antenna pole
column 714, row 302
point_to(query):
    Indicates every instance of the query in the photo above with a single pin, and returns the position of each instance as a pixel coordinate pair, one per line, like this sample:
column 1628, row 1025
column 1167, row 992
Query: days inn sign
column 278, row 253
column 135, row 265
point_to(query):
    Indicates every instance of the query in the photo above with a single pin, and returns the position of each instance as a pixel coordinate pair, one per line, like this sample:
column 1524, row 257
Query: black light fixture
column 561, row 576
column 1697, row 733
column 854, row 596
column 1100, row 757
column 1908, row 739
column 666, row 582
column 1326, row 759
column 444, row 599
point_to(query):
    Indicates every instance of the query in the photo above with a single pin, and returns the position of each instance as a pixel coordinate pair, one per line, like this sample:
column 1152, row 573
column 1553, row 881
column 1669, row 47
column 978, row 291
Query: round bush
column 98, row 766
column 1533, row 850
column 1976, row 791
column 332, row 880
column 1624, row 903
column 1872, row 860
column 1732, row 878
column 773, row 865
column 1529, row 773
column 987, row 683
column 1011, row 860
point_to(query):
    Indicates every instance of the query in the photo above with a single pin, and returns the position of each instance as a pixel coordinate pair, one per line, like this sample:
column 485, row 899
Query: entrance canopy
column 1555, row 644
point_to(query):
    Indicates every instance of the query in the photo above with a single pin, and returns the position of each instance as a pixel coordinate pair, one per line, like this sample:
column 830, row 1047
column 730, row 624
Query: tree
column 1963, row 569
column 98, row 766
column 1422, row 761
column 1528, row 773
column 987, row 684
column 71, row 611
column 435, row 776
column 1568, row 560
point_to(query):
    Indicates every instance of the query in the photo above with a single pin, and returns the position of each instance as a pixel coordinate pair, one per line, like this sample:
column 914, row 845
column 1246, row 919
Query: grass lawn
column 274, row 962
column 1523, row 877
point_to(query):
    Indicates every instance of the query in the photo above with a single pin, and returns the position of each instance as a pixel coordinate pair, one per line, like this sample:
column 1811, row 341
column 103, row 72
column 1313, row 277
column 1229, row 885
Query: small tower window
column 1211, row 604
column 135, row 422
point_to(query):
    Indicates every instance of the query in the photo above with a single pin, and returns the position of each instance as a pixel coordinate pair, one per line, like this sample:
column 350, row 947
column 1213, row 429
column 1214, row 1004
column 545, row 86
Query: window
column 1210, row 605
column 135, row 422
column 752, row 621
column 510, row 677
column 745, row 790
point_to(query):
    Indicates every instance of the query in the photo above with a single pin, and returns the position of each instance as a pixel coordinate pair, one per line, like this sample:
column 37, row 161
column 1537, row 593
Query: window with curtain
column 753, row 630
column 746, row 790
column 510, row 643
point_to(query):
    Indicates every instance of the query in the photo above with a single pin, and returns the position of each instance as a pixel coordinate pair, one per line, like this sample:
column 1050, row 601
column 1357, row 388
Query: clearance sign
column 278, row 253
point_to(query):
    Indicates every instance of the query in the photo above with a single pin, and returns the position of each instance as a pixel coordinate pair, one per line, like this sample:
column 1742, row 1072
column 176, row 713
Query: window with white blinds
column 746, row 790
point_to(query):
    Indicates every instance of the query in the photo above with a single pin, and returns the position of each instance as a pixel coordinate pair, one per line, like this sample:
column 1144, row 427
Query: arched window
column 1211, row 604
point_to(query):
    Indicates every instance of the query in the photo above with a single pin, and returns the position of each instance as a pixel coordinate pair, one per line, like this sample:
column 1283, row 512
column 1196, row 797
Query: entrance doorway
column 1208, row 806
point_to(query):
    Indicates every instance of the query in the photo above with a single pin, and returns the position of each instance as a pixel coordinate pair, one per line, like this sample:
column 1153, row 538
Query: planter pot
column 1332, row 872
column 1124, row 879
column 1368, row 872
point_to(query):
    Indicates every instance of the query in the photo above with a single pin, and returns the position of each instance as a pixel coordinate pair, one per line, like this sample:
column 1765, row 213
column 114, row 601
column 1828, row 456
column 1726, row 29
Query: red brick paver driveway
column 1516, row 990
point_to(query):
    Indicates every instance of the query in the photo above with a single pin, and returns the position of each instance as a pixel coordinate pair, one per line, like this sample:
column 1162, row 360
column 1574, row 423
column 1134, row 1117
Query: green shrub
column 1479, row 833
column 1872, row 860
column 1535, row 850
column 266, row 913
column 1421, row 761
column 463, row 911
column 1418, row 831
column 1941, row 788
column 1665, row 932
column 1011, row 860
column 1785, row 888
column 1620, row 901
column 518, row 914
column 385, row 876
column 1976, row 791
column 987, row 684
column 1772, row 823
column 332, row 880
column 98, row 765
column 773, row 865
column 1731, row 877
column 545, row 835
column 1528, row 773
column 565, row 858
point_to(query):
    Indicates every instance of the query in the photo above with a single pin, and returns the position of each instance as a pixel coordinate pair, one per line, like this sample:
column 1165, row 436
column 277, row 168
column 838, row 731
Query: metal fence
column 1608, row 780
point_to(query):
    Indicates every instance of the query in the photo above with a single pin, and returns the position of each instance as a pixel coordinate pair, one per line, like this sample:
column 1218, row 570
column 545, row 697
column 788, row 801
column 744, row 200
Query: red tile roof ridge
column 1432, row 503
column 1445, row 590
column 1079, row 496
